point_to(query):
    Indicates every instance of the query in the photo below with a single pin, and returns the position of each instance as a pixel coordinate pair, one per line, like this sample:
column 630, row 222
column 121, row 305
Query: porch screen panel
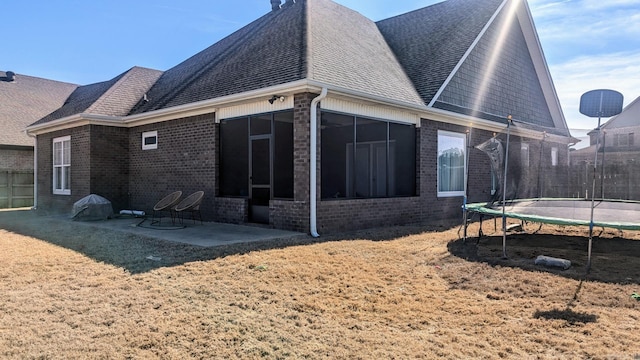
column 402, row 172
column 336, row 135
column 234, row 157
column 366, row 158
column 283, row 156
column 371, row 159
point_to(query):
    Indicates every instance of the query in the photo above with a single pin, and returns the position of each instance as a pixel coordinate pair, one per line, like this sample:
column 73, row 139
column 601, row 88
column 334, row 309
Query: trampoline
column 617, row 214
column 521, row 188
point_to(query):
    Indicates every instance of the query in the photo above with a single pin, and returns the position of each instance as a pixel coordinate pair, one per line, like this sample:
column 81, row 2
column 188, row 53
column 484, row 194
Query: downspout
column 313, row 173
column 35, row 172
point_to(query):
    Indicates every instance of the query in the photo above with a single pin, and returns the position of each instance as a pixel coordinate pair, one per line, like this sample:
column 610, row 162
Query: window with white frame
column 149, row 140
column 62, row 165
column 451, row 163
column 524, row 155
column 554, row 156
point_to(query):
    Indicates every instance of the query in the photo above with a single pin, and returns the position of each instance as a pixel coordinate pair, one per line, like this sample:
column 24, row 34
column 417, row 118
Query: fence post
column 10, row 189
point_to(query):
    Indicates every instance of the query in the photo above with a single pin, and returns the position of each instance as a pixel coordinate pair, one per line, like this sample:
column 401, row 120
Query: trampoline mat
column 607, row 213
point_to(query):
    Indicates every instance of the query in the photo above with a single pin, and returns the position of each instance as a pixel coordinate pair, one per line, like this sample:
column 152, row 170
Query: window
column 623, row 139
column 524, row 155
column 366, row 158
column 62, row 165
column 149, row 140
column 554, row 156
column 451, row 163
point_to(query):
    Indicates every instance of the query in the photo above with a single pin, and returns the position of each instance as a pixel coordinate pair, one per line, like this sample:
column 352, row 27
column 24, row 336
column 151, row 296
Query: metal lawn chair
column 167, row 203
column 190, row 204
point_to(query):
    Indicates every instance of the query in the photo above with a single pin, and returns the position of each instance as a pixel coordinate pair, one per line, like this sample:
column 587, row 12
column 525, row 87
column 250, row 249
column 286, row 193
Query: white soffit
column 258, row 107
column 368, row 110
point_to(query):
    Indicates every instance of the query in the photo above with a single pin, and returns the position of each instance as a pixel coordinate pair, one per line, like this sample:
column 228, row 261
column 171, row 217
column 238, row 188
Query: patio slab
column 207, row 234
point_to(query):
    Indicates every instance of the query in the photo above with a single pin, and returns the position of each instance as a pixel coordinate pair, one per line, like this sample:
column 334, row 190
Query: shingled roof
column 115, row 97
column 430, row 42
column 269, row 51
column 432, row 57
column 25, row 100
column 316, row 40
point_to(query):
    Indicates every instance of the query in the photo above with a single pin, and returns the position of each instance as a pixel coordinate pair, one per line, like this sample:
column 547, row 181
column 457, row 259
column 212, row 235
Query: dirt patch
column 73, row 291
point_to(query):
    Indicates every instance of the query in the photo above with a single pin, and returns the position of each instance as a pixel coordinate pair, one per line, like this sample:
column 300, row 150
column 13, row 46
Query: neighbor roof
column 115, row 97
column 25, row 100
column 629, row 117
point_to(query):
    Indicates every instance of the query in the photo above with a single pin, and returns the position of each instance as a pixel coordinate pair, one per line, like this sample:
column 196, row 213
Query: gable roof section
column 490, row 84
column 484, row 60
column 430, row 42
column 26, row 100
column 347, row 50
column 629, row 117
column 115, row 97
column 269, row 51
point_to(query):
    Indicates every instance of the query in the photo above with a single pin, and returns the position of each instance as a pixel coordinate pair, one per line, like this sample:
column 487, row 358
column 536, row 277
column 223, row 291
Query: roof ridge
column 105, row 96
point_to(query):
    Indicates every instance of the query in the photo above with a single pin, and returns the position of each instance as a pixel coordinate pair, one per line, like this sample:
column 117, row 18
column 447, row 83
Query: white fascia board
column 211, row 105
column 435, row 114
column 75, row 121
column 359, row 95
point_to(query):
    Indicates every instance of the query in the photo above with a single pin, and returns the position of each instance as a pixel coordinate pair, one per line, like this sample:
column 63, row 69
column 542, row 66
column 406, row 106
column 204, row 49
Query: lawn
column 73, row 291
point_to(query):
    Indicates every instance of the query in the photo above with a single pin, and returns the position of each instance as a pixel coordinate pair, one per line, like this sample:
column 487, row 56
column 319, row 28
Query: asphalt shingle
column 25, row 100
column 431, row 41
column 115, row 97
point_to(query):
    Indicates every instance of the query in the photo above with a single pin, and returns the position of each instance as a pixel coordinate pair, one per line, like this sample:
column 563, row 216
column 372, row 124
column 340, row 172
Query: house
column 618, row 144
column 314, row 118
column 25, row 99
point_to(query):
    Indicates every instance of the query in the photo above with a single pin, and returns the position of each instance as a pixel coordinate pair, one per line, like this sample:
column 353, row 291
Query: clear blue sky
column 589, row 44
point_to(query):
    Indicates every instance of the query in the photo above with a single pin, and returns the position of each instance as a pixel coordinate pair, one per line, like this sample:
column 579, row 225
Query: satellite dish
column 601, row 103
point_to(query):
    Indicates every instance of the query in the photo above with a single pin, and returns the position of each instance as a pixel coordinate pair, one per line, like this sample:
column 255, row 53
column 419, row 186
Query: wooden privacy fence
column 621, row 181
column 16, row 188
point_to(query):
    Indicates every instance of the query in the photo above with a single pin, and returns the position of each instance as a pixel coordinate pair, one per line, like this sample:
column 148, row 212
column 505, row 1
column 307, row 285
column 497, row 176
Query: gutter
column 35, row 171
column 313, row 173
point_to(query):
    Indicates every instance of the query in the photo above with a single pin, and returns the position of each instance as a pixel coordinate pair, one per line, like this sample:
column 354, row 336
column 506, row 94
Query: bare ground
column 71, row 290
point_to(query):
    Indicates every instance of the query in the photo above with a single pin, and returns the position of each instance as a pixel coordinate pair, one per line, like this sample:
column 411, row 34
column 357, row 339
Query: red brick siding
column 80, row 170
column 185, row 160
column 294, row 215
column 110, row 165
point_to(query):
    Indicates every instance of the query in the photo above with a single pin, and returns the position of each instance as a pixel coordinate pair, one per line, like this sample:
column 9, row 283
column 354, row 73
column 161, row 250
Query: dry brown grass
column 69, row 290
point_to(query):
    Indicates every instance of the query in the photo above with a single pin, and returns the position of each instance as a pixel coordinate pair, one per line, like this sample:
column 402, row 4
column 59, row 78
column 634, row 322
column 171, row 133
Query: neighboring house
column 619, row 151
column 23, row 100
column 619, row 138
column 314, row 117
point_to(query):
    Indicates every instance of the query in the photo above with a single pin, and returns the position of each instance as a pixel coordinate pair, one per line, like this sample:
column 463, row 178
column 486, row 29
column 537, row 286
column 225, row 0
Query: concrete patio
column 207, row 234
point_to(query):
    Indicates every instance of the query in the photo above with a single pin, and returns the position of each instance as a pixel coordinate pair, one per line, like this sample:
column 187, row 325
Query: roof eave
column 74, row 121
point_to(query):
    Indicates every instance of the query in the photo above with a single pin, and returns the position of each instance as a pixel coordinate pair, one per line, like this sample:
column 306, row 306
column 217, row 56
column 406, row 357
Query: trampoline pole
column 504, row 191
column 593, row 196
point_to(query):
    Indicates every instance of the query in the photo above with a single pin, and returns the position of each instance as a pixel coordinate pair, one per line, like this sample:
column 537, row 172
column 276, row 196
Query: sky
column 588, row 44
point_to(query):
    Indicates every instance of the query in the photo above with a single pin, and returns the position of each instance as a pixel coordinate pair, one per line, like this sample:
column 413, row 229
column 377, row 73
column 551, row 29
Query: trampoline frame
column 483, row 208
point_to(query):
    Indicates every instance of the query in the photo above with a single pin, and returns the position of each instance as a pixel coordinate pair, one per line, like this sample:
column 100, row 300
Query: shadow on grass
column 568, row 315
column 139, row 254
column 613, row 258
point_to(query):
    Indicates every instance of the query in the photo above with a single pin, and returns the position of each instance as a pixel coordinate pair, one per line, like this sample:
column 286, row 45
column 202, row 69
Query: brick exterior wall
column 80, row 170
column 16, row 159
column 110, row 162
column 185, row 160
column 110, row 165
column 294, row 215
